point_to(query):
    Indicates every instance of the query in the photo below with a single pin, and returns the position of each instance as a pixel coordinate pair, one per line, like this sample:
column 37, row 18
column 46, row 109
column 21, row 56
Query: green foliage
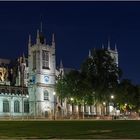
column 102, row 73
column 95, row 81
column 73, row 85
column 129, row 94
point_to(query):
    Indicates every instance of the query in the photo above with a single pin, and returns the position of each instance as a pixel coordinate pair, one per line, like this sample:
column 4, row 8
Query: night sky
column 78, row 27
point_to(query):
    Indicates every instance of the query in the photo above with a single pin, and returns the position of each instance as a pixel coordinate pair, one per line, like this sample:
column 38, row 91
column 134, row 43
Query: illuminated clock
column 46, row 78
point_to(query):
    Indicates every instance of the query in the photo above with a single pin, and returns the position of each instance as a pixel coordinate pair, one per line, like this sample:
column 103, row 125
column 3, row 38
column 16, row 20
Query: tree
column 74, row 85
column 67, row 86
column 128, row 96
column 102, row 73
column 96, row 80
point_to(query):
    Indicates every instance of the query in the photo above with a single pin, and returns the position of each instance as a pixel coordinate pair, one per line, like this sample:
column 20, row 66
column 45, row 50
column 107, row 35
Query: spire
column 23, row 57
column 53, row 40
column 20, row 60
column 103, row 46
column 89, row 54
column 116, row 47
column 61, row 69
column 61, row 64
column 108, row 44
column 37, row 38
column 41, row 26
column 29, row 42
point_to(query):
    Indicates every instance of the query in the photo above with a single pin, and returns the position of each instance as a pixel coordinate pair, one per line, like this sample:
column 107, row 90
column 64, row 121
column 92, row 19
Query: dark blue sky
column 78, row 26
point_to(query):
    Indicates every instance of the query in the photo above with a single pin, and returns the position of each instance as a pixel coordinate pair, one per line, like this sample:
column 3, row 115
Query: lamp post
column 54, row 104
column 112, row 96
column 104, row 109
column 125, row 108
column 22, row 102
column 72, row 106
column 27, row 107
column 71, row 99
column 112, row 103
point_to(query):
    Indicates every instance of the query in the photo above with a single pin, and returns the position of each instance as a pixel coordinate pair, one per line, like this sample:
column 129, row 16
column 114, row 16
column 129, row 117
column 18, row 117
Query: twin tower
column 41, row 78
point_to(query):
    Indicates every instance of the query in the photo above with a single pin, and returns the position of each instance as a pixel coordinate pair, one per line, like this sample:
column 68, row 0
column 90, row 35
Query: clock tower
column 41, row 63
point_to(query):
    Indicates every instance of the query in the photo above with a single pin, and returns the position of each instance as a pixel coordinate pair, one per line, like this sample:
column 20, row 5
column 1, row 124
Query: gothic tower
column 113, row 53
column 41, row 63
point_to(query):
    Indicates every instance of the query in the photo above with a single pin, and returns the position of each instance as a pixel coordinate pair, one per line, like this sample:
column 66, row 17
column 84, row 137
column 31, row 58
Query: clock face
column 46, row 78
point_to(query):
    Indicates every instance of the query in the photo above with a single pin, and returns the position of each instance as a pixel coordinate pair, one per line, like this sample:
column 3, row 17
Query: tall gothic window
column 46, row 95
column 16, row 106
column 45, row 59
column 26, row 106
column 6, row 106
column 34, row 60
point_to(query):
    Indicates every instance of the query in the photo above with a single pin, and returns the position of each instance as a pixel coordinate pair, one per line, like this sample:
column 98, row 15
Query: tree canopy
column 95, row 82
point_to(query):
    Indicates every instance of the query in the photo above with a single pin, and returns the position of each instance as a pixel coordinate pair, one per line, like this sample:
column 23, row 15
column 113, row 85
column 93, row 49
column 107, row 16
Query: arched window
column 45, row 59
column 6, row 106
column 46, row 95
column 26, row 106
column 16, row 106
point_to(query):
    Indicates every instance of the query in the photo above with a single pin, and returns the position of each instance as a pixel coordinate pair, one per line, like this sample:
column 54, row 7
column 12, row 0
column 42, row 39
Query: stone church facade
column 27, row 86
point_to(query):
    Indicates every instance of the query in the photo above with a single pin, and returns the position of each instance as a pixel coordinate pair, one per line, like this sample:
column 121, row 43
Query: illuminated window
column 16, row 106
column 46, row 95
column 34, row 60
column 6, row 106
column 45, row 59
column 26, row 106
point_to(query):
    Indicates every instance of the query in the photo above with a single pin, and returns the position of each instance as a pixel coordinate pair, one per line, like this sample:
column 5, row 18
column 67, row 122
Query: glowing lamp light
column 71, row 99
column 104, row 103
column 112, row 96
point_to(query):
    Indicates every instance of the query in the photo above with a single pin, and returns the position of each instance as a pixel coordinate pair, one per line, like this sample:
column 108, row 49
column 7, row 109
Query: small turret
column 61, row 70
column 24, row 59
column 53, row 40
column 89, row 54
column 103, row 46
column 29, row 42
column 37, row 38
column 41, row 27
column 61, row 64
column 116, row 48
column 108, row 45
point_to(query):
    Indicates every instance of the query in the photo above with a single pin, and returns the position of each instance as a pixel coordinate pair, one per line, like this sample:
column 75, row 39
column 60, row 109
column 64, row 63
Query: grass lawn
column 70, row 129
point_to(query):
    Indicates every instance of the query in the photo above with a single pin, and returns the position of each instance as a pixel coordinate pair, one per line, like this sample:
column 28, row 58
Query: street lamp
column 72, row 105
column 104, row 103
column 104, row 110
column 112, row 96
column 125, row 105
column 22, row 103
column 54, row 93
column 71, row 99
column 113, row 109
